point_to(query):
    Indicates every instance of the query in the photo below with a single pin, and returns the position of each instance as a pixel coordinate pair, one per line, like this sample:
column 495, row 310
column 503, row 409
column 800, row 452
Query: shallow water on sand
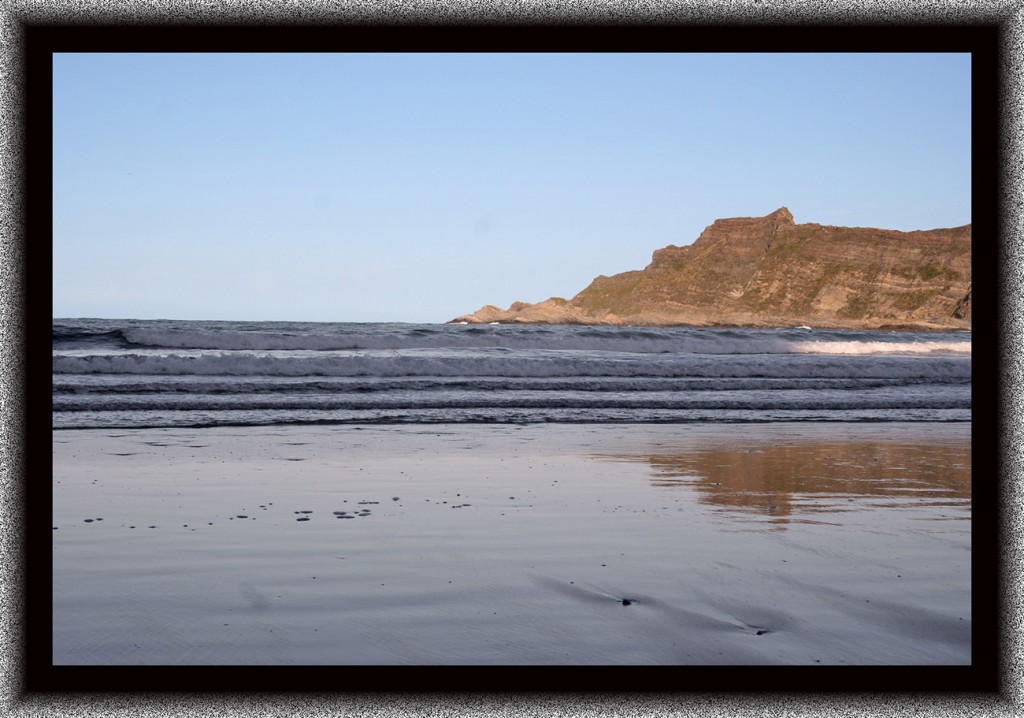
column 539, row 544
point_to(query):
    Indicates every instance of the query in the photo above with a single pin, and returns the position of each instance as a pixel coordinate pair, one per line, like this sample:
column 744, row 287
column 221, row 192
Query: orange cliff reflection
column 814, row 477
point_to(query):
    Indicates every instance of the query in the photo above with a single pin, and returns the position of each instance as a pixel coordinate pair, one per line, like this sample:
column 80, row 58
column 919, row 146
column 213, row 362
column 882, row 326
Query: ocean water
column 165, row 373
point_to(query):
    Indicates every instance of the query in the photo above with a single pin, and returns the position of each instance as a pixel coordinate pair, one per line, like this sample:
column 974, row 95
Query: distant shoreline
column 905, row 327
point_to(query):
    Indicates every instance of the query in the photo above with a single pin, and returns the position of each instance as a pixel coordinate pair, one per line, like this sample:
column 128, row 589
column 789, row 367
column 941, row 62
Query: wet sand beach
column 728, row 544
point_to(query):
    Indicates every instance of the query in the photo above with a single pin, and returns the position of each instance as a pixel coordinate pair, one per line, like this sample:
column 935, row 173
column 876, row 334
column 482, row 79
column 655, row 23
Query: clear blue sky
column 416, row 187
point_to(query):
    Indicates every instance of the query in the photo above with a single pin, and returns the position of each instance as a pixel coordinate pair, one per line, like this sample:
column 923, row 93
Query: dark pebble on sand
column 88, row 521
column 626, row 602
column 394, row 498
column 302, row 518
column 242, row 516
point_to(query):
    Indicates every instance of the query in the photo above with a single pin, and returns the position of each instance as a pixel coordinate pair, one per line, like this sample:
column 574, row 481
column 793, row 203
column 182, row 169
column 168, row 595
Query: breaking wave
column 556, row 365
column 634, row 340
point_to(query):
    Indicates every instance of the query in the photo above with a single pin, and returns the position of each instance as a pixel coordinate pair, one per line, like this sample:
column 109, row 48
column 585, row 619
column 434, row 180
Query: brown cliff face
column 770, row 271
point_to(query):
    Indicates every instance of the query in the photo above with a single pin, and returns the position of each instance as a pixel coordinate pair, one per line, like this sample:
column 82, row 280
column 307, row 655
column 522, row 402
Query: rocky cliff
column 770, row 271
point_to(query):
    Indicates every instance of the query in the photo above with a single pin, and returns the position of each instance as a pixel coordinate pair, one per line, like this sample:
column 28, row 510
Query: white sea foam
column 878, row 347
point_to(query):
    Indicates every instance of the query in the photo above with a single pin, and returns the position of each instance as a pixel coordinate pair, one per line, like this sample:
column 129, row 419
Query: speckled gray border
column 13, row 15
column 11, row 360
column 1012, row 350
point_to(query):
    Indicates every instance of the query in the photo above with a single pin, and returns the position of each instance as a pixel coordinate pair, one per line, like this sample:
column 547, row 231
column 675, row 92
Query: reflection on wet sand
column 794, row 481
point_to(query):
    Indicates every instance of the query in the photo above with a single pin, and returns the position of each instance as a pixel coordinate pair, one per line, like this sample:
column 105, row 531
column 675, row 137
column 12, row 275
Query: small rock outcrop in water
column 771, row 272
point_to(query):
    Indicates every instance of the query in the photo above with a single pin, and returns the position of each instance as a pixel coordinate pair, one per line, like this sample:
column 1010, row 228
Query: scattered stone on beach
column 88, row 521
column 626, row 602
column 394, row 498
column 302, row 518
column 242, row 516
